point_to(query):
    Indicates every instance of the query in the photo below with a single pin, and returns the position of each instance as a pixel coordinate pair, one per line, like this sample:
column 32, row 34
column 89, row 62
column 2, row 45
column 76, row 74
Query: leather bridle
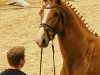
column 49, row 28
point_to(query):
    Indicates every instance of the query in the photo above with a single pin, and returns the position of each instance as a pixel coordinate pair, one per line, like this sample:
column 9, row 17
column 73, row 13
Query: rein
column 53, row 59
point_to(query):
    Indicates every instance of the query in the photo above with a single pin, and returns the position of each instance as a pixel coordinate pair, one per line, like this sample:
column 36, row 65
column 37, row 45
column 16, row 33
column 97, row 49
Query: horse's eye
column 56, row 14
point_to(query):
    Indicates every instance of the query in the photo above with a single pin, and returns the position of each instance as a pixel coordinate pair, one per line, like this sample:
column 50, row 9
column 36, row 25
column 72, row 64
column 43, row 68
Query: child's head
column 16, row 56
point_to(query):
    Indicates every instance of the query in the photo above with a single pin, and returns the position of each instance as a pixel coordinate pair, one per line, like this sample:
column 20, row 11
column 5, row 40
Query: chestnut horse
column 80, row 48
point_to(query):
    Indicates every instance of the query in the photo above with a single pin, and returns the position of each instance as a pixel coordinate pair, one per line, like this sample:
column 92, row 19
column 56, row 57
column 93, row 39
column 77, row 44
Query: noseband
column 49, row 28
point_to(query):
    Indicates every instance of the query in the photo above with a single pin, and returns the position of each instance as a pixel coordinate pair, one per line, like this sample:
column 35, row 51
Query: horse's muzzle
column 42, row 44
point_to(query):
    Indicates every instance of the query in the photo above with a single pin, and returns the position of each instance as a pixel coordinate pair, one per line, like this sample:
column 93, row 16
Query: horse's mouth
column 43, row 44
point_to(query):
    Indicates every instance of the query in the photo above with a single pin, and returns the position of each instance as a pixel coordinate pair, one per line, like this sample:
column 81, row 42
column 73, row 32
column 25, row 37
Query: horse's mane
column 77, row 15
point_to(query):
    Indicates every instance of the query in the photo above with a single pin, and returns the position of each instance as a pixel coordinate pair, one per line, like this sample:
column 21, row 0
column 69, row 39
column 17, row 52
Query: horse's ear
column 47, row 0
column 44, row 0
column 58, row 1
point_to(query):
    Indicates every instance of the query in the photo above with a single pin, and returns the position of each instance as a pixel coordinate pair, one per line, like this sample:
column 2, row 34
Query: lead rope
column 53, row 58
column 41, row 60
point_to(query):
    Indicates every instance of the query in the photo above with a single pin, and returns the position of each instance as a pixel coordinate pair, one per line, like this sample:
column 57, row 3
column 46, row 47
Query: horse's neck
column 72, row 36
column 74, row 22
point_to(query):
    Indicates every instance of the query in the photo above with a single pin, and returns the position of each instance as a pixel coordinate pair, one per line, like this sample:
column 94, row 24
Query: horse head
column 51, row 22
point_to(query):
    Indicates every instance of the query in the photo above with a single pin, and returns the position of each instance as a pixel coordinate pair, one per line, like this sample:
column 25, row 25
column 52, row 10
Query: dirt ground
column 20, row 26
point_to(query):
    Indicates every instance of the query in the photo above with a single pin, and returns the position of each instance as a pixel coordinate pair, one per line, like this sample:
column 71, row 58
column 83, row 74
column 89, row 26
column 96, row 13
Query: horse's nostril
column 37, row 42
column 43, row 42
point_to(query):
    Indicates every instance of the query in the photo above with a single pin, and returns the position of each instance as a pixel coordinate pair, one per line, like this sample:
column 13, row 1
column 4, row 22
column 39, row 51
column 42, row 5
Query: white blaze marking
column 46, row 11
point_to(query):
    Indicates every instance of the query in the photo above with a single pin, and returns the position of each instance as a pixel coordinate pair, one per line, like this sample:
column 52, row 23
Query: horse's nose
column 42, row 43
column 38, row 43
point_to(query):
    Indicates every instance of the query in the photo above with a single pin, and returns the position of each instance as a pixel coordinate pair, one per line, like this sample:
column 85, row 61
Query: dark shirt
column 12, row 72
